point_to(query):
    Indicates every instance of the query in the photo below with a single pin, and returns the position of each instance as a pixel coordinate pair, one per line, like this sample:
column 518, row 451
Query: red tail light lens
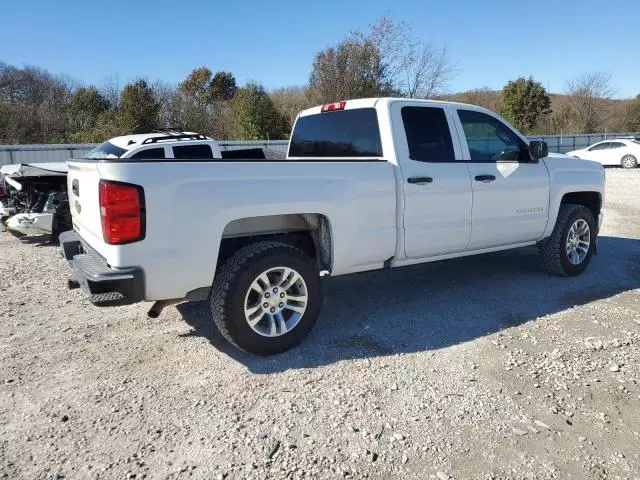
column 122, row 211
column 332, row 107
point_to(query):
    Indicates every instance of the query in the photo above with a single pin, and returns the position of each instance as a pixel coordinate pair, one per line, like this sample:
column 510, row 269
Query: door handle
column 419, row 180
column 485, row 178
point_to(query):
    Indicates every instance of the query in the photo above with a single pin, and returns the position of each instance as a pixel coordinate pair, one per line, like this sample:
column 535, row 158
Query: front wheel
column 266, row 297
column 568, row 251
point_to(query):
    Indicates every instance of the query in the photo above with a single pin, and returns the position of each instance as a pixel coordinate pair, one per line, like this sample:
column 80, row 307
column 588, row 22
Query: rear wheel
column 629, row 161
column 266, row 297
column 569, row 249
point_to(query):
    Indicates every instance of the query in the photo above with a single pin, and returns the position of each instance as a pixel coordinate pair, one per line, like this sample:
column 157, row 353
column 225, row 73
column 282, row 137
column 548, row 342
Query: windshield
column 106, row 150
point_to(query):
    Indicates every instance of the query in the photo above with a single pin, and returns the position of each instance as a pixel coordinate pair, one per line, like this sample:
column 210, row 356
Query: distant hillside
column 613, row 112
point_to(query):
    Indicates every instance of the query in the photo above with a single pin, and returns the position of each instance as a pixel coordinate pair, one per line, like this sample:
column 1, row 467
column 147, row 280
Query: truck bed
column 191, row 205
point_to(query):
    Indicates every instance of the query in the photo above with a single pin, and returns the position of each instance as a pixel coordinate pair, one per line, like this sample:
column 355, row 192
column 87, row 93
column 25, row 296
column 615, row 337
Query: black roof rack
column 180, row 136
column 166, row 130
column 137, row 130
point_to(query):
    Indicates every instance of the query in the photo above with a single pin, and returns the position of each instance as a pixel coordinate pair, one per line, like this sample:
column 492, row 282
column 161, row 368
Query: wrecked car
column 35, row 200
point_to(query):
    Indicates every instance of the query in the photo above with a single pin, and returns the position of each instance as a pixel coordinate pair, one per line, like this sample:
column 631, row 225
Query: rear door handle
column 485, row 178
column 419, row 180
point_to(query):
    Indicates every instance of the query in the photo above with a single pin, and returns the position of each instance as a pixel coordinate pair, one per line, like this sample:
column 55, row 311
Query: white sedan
column 618, row 151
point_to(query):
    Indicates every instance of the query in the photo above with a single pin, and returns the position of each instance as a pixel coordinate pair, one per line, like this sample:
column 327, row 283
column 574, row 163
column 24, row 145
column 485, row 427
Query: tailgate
column 83, row 182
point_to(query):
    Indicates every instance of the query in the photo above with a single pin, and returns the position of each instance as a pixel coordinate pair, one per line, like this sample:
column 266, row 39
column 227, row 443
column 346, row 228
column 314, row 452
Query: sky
column 274, row 42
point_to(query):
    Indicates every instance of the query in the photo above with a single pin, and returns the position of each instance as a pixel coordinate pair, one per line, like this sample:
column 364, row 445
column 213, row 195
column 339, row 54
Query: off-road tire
column 552, row 250
column 232, row 282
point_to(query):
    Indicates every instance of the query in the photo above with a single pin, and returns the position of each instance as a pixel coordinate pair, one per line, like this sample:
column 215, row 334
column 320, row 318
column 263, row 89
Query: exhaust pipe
column 157, row 307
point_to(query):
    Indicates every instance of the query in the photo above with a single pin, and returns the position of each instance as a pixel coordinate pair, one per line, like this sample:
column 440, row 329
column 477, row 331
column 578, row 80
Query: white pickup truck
column 367, row 184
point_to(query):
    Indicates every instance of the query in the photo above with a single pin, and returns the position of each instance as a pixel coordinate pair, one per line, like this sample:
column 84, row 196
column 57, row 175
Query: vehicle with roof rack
column 367, row 184
column 170, row 143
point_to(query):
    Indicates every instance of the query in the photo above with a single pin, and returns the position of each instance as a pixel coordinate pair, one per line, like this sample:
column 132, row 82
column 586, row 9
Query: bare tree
column 111, row 89
column 352, row 69
column 415, row 68
column 591, row 84
column 485, row 97
column 290, row 101
column 164, row 94
column 387, row 60
column 587, row 93
column 34, row 102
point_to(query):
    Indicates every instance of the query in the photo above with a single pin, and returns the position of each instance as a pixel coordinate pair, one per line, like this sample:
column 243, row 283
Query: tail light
column 122, row 210
column 332, row 107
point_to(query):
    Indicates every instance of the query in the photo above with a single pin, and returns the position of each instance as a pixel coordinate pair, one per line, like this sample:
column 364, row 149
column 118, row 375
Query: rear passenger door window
column 157, row 153
column 428, row 135
column 192, row 152
column 490, row 140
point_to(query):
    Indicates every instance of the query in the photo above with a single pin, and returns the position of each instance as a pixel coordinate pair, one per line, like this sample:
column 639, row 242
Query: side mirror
column 538, row 149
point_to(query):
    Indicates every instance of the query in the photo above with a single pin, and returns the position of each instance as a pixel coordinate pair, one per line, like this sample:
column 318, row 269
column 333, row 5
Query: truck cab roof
column 382, row 101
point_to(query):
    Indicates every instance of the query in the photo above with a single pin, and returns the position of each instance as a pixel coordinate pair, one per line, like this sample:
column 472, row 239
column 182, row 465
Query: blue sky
column 274, row 41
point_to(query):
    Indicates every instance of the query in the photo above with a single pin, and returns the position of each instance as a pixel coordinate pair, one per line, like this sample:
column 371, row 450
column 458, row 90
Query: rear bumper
column 103, row 285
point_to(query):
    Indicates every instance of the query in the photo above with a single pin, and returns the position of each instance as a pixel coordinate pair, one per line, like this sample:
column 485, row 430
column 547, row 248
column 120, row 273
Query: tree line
column 584, row 107
column 37, row 106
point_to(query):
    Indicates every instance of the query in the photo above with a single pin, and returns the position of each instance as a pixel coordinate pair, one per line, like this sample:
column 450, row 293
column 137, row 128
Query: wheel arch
column 310, row 232
column 591, row 199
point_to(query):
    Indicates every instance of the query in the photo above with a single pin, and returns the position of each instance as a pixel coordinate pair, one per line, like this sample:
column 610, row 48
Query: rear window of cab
column 343, row 133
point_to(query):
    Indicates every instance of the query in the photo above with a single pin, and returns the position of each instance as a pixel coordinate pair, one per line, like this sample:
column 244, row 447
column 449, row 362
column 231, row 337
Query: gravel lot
column 482, row 367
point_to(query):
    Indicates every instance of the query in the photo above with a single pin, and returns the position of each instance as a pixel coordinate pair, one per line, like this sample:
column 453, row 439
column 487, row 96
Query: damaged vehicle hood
column 35, row 199
column 34, row 169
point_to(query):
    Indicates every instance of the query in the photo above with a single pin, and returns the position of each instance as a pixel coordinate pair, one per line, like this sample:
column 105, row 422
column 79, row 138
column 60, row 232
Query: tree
column 138, row 108
column 111, row 90
column 587, row 93
column 387, row 60
column 205, row 87
column 352, row 69
column 415, row 68
column 196, row 84
column 290, row 101
column 202, row 102
column 632, row 116
column 34, row 101
column 222, row 87
column 255, row 117
column 524, row 103
column 484, row 97
column 184, row 112
column 84, row 106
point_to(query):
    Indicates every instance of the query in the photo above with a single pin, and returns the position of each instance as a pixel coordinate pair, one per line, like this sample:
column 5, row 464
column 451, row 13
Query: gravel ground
column 482, row 367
